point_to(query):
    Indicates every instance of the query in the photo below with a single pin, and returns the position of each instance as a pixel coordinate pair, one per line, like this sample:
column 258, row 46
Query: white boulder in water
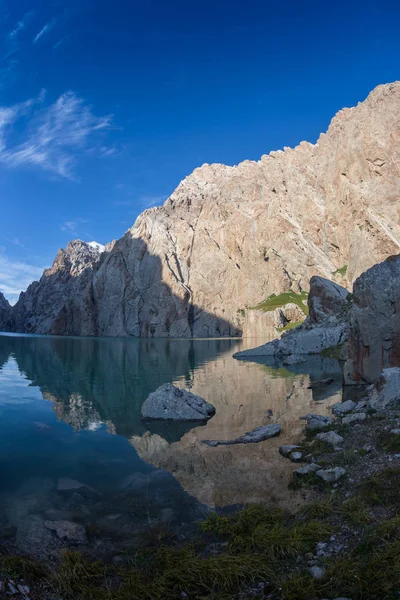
column 171, row 403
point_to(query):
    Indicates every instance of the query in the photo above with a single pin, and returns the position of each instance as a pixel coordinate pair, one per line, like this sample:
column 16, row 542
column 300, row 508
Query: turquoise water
column 70, row 408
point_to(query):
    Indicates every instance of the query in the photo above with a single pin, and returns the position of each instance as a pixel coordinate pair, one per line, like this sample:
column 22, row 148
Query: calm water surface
column 70, row 408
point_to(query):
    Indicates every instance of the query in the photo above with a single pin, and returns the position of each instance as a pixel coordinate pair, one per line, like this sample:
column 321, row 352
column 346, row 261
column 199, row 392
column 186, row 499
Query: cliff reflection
column 105, row 381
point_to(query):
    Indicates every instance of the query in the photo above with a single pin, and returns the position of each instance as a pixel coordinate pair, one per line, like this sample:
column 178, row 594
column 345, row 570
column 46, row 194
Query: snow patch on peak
column 97, row 246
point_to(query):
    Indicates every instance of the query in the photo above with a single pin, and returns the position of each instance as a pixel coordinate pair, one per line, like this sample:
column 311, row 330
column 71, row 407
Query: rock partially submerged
column 252, row 437
column 171, row 403
column 69, row 531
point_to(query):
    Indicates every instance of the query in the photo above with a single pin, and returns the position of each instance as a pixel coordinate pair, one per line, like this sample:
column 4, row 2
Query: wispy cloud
column 44, row 30
column 15, row 276
column 21, row 24
column 53, row 134
column 74, row 227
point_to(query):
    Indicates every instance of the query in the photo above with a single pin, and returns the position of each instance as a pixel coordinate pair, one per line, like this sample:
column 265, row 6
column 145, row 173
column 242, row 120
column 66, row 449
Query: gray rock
column 330, row 437
column 307, row 469
column 260, row 434
column 65, row 484
column 331, row 475
column 287, row 449
column 326, row 298
column 341, row 408
column 315, row 422
column 386, row 391
column 354, row 418
column 68, row 531
column 317, row 572
column 296, row 457
column 171, row 403
column 375, row 324
column 395, row 431
column 34, row 539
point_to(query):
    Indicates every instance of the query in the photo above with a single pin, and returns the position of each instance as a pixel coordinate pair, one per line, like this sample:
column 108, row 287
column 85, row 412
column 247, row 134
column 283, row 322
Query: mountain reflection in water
column 96, row 388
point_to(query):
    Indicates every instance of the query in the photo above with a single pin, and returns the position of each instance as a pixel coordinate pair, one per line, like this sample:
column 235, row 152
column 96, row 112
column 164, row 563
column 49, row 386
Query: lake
column 73, row 445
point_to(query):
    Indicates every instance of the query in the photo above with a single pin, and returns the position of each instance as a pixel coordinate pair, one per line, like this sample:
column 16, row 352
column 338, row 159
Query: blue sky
column 106, row 105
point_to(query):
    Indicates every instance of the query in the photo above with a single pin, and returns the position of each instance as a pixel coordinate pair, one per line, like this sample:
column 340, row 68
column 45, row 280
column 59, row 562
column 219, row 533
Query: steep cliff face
column 5, row 314
column 228, row 237
column 62, row 301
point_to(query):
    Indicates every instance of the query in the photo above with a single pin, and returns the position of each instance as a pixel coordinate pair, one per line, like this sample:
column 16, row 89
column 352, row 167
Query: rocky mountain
column 230, row 237
column 5, row 313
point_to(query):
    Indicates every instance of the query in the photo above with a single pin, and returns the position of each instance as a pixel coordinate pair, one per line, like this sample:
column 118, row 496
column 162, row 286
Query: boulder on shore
column 325, row 327
column 386, row 391
column 171, row 403
column 374, row 338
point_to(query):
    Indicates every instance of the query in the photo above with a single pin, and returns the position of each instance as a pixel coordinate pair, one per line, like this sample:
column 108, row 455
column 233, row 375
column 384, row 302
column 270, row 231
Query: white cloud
column 72, row 226
column 44, row 30
column 15, row 276
column 52, row 135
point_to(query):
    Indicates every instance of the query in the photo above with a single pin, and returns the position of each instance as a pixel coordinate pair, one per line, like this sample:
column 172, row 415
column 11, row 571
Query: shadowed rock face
column 374, row 342
column 228, row 237
column 5, row 313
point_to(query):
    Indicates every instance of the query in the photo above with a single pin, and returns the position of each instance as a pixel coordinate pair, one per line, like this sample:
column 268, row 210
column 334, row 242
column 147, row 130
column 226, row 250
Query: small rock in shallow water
column 341, row 408
column 331, row 475
column 317, row 572
column 354, row 418
column 68, row 530
column 288, row 449
column 259, row 434
column 70, row 485
column 330, row 437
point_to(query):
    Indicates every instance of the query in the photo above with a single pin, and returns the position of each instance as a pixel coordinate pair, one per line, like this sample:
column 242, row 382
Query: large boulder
column 326, row 325
column 326, row 298
column 386, row 391
column 171, row 403
column 374, row 339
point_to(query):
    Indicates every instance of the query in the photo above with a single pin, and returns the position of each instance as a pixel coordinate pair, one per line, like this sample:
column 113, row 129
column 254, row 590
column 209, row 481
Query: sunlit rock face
column 228, row 237
column 225, row 475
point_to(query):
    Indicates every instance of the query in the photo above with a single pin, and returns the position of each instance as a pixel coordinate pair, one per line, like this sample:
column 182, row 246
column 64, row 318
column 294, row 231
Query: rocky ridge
column 229, row 237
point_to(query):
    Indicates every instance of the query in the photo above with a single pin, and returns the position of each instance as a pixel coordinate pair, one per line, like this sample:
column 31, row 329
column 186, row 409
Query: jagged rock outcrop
column 5, row 314
column 327, row 324
column 374, row 341
column 61, row 303
column 229, row 237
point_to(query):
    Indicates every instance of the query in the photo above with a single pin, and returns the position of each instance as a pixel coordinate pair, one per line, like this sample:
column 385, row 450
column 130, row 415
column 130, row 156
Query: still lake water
column 70, row 408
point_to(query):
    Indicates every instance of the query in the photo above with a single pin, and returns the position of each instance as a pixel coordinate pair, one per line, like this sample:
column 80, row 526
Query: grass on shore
column 257, row 545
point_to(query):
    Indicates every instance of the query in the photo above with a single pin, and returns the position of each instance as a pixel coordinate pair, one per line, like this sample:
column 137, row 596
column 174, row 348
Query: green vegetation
column 342, row 271
column 390, row 442
column 290, row 325
column 233, row 553
column 273, row 302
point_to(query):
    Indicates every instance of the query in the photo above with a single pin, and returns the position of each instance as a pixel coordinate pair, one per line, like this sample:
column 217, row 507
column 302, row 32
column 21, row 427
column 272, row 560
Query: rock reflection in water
column 245, row 395
column 94, row 383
